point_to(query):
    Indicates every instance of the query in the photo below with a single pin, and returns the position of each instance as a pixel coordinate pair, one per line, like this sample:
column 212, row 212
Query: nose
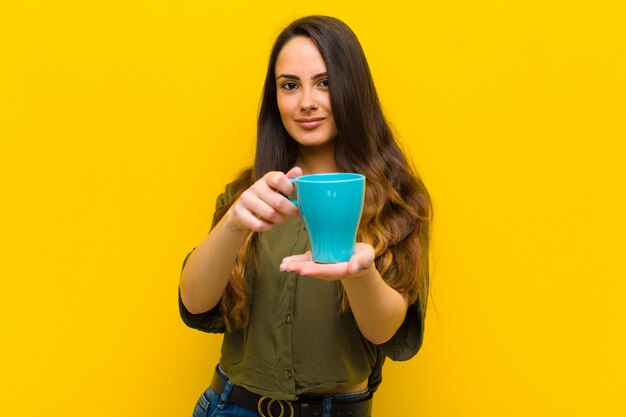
column 308, row 101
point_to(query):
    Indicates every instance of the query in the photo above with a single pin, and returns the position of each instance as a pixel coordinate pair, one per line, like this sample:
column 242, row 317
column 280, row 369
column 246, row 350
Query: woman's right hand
column 264, row 203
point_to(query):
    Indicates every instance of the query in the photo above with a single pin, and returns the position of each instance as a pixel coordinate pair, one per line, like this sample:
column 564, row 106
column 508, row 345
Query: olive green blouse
column 297, row 340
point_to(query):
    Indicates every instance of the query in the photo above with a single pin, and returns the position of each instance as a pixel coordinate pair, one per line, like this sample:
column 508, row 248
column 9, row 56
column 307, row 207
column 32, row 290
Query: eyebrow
column 295, row 77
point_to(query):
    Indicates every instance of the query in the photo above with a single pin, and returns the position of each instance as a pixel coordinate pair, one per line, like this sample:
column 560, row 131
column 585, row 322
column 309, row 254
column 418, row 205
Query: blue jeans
column 211, row 404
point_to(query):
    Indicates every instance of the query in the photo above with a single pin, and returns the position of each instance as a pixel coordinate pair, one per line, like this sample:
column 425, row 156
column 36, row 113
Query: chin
column 306, row 140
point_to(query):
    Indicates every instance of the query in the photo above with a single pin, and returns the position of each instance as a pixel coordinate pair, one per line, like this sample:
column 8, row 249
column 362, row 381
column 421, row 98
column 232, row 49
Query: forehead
column 300, row 56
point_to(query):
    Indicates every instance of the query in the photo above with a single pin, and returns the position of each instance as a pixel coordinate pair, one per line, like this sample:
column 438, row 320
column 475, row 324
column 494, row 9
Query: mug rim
column 319, row 178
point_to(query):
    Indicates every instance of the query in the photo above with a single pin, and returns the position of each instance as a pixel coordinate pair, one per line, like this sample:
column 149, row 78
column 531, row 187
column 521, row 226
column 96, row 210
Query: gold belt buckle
column 269, row 407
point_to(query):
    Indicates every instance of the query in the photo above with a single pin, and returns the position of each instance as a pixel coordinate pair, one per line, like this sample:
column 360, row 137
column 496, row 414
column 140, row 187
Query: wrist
column 233, row 225
column 364, row 276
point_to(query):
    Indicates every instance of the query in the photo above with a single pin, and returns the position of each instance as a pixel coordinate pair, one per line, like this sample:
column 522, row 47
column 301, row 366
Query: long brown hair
column 397, row 212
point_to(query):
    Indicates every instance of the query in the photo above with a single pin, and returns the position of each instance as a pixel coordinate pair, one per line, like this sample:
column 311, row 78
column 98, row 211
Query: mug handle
column 294, row 202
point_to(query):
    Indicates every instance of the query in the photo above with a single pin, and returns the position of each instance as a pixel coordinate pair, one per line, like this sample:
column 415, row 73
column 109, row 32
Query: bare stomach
column 342, row 390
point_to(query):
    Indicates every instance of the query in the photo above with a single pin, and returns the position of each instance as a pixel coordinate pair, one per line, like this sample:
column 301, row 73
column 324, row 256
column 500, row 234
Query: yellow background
column 121, row 121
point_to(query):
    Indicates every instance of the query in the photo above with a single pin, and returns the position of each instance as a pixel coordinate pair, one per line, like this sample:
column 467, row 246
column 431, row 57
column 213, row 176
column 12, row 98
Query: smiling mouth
column 310, row 123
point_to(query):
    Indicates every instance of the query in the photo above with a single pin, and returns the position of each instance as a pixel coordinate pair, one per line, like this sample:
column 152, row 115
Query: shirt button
column 287, row 374
column 288, row 318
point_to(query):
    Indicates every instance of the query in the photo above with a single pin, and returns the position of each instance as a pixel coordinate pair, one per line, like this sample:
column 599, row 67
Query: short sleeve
column 222, row 201
column 407, row 341
column 210, row 321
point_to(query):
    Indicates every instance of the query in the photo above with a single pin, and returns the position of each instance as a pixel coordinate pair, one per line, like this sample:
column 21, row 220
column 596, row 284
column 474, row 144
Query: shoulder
column 231, row 192
column 233, row 189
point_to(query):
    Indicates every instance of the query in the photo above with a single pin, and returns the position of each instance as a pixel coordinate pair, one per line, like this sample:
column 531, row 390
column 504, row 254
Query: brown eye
column 289, row 86
column 324, row 83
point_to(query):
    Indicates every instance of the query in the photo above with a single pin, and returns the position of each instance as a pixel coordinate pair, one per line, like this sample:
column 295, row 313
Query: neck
column 318, row 159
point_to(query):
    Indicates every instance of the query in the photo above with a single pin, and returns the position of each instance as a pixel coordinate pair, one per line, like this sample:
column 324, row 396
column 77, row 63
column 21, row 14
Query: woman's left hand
column 359, row 263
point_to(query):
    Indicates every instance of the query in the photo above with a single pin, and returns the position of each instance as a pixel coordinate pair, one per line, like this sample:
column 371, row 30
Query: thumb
column 294, row 172
column 362, row 259
column 355, row 264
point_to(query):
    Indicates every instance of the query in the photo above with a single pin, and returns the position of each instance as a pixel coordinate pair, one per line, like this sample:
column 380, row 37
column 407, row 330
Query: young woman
column 301, row 338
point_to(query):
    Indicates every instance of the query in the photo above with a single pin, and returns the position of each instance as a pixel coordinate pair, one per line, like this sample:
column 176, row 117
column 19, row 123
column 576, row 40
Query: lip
column 310, row 122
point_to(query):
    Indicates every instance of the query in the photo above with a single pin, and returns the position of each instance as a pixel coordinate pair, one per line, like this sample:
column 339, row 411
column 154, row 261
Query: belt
column 302, row 407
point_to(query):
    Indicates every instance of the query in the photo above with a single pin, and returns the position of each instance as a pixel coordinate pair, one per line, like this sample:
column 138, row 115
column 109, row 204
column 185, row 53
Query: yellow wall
column 121, row 121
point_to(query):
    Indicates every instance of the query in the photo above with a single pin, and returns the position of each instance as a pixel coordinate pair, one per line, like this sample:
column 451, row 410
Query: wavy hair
column 397, row 212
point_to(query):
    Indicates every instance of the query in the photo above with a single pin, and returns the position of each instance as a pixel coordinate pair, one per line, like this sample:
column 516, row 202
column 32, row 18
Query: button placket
column 287, row 308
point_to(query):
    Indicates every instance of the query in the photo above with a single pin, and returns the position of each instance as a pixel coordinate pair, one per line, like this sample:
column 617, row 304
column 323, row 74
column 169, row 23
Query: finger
column 273, row 189
column 355, row 264
column 281, row 203
column 316, row 270
column 324, row 271
column 249, row 220
column 298, row 258
column 294, row 263
column 294, row 172
column 255, row 204
column 279, row 182
column 365, row 253
column 362, row 259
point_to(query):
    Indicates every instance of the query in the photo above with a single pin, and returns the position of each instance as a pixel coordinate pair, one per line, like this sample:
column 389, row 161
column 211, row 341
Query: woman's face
column 303, row 93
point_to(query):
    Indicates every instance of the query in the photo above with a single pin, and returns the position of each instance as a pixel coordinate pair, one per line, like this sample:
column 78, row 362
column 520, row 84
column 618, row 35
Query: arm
column 208, row 268
column 378, row 309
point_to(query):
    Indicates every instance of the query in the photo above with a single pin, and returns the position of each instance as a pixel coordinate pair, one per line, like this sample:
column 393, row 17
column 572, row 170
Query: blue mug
column 331, row 207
